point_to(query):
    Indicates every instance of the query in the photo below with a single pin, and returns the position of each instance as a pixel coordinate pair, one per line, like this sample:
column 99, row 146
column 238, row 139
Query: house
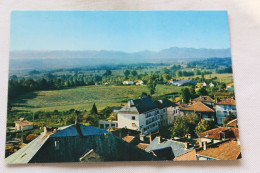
column 227, row 150
column 219, row 134
column 128, row 83
column 23, row 125
column 204, row 99
column 204, row 84
column 225, row 107
column 168, row 110
column 202, row 110
column 107, row 124
column 140, row 82
column 184, row 82
column 78, row 143
column 141, row 114
column 168, row 149
column 230, row 87
column 211, row 84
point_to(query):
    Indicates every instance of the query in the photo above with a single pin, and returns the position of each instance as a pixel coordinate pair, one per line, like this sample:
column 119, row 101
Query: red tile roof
column 203, row 98
column 197, row 107
column 191, row 155
column 216, row 133
column 226, row 151
column 24, row 123
column 227, row 101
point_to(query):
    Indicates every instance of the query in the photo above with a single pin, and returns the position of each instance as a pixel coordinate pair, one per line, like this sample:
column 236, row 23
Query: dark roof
column 164, row 153
column 165, row 103
column 141, row 105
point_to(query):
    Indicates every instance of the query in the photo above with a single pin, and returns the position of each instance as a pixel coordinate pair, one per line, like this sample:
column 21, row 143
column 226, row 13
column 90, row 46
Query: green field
column 226, row 78
column 84, row 97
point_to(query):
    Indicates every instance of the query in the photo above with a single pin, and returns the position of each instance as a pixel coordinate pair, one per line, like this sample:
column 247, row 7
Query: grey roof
column 184, row 81
column 141, row 105
column 178, row 148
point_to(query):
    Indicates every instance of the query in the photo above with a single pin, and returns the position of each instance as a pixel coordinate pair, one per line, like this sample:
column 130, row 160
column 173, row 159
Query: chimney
column 150, row 138
column 45, row 130
column 186, row 145
column 159, row 139
column 142, row 138
column 205, row 145
column 200, row 144
column 130, row 103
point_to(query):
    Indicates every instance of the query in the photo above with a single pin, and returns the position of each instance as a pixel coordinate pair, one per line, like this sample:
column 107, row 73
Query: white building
column 211, row 84
column 141, row 114
column 224, row 107
column 128, row 83
column 140, row 82
column 23, row 125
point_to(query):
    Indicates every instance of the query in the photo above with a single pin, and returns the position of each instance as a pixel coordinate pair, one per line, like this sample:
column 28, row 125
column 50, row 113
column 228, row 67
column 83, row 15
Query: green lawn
column 84, row 97
column 226, row 78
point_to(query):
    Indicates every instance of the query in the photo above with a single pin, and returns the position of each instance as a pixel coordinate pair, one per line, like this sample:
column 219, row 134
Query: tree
column 106, row 112
column 31, row 137
column 186, row 95
column 202, row 92
column 94, row 110
column 126, row 73
column 151, row 84
column 203, row 126
column 229, row 118
column 107, row 73
column 143, row 94
column 92, row 120
column 134, row 73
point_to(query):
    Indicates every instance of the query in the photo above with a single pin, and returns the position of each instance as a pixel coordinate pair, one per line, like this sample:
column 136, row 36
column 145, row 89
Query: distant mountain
column 63, row 59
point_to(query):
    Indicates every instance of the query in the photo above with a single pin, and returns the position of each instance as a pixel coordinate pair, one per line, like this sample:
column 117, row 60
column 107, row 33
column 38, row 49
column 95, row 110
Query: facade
column 224, row 107
column 140, row 114
column 23, row 125
column 202, row 110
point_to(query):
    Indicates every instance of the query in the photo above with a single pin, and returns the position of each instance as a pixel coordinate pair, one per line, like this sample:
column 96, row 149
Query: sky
column 129, row 31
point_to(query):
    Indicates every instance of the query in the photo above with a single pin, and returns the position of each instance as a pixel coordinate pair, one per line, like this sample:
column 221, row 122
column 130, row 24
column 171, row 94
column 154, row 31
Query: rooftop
column 128, row 138
column 165, row 103
column 198, row 107
column 203, row 98
column 232, row 123
column 24, row 123
column 217, row 133
column 191, row 155
column 226, row 151
column 227, row 101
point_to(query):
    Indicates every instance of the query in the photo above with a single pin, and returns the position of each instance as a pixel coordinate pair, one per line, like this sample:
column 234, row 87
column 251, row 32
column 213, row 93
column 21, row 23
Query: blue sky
column 129, row 31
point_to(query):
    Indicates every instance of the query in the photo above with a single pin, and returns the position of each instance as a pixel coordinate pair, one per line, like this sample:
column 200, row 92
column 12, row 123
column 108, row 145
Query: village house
column 107, row 124
column 141, row 114
column 202, row 110
column 204, row 99
column 227, row 150
column 22, row 125
column 225, row 107
column 128, row 83
column 168, row 110
column 78, row 143
column 211, row 84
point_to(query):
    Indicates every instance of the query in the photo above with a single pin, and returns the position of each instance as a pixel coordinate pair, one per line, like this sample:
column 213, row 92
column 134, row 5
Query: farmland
column 84, row 97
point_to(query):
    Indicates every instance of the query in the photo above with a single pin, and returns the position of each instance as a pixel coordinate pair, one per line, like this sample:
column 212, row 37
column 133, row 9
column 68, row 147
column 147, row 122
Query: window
column 133, row 124
column 133, row 117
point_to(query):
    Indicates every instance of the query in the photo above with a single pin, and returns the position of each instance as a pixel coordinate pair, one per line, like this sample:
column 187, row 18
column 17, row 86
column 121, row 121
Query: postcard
column 101, row 86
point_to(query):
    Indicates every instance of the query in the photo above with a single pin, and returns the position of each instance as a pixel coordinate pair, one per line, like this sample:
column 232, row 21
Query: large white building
column 145, row 115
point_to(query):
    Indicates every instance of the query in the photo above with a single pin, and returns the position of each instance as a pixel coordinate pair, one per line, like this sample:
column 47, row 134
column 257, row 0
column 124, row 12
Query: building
column 202, row 110
column 141, row 114
column 204, row 99
column 140, row 82
column 107, row 124
column 211, row 84
column 78, row 143
column 225, row 107
column 128, row 83
column 168, row 110
column 228, row 150
column 168, row 149
column 183, row 82
column 23, row 125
